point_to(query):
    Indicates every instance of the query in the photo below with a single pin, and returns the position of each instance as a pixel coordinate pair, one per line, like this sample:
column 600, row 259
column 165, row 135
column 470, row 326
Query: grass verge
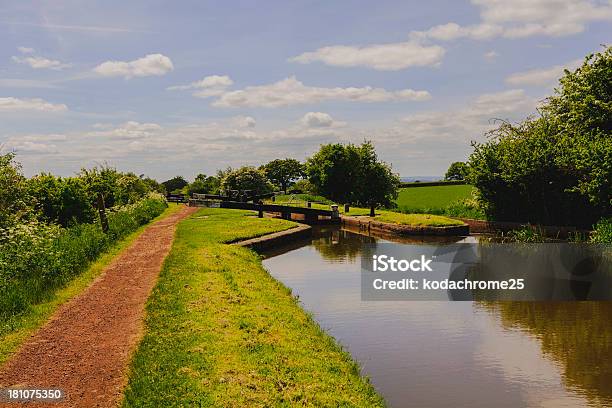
column 220, row 331
column 15, row 330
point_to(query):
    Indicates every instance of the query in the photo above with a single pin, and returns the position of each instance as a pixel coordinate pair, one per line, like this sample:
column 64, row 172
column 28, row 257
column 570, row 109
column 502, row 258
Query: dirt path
column 85, row 348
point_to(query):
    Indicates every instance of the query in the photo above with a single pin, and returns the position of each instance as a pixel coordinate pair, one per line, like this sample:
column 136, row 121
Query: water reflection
column 452, row 354
column 576, row 335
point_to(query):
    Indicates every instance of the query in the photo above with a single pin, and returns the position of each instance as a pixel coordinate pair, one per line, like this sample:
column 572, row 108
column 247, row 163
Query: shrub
column 554, row 169
column 602, row 233
column 13, row 195
column 36, row 258
column 61, row 200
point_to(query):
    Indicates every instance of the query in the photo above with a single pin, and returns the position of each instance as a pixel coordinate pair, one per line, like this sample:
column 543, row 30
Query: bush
column 61, row 200
column 554, row 169
column 36, row 258
column 602, row 233
column 13, row 195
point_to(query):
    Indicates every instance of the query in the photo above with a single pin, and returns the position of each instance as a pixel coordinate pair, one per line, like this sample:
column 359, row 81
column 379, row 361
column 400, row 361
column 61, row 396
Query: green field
column 432, row 197
column 221, row 332
column 394, row 217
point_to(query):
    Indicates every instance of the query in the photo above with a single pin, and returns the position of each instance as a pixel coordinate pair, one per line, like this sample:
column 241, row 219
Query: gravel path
column 85, row 348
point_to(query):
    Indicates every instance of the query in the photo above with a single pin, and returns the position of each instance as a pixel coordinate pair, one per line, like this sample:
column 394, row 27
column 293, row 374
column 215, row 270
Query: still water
column 452, row 354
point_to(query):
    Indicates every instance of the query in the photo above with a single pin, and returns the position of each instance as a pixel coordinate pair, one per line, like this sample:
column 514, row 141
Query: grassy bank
column 16, row 329
column 220, row 331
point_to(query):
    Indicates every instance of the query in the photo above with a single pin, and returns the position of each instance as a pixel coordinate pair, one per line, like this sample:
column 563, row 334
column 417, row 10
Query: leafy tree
column 247, row 178
column 13, row 194
column 101, row 180
column 175, row 184
column 61, row 200
column 130, row 188
column 555, row 168
column 204, row 185
column 303, row 186
column 377, row 184
column 283, row 171
column 352, row 174
column 334, row 171
column 457, row 171
column 154, row 185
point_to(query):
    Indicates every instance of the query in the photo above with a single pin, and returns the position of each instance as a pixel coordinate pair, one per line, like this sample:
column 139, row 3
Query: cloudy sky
column 184, row 87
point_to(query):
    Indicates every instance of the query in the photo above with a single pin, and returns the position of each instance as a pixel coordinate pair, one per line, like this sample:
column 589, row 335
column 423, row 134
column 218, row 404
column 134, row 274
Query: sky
column 167, row 88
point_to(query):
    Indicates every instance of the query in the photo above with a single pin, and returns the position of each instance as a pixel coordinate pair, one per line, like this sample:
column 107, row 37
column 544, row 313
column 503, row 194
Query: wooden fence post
column 102, row 213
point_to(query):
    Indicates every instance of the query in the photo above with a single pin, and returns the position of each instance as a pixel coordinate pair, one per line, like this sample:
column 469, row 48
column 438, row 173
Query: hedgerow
column 36, row 258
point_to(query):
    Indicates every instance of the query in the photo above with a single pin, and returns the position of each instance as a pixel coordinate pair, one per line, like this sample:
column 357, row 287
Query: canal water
column 452, row 354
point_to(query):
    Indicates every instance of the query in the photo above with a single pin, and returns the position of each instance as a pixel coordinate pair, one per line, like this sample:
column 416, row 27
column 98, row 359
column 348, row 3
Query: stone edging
column 399, row 229
column 276, row 238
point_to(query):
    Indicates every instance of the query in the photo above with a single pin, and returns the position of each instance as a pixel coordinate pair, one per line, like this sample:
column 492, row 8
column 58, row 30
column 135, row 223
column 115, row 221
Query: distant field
column 432, row 197
column 438, row 200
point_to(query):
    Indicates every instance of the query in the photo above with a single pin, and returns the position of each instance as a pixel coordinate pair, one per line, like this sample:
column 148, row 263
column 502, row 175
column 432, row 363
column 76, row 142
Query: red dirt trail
column 85, row 348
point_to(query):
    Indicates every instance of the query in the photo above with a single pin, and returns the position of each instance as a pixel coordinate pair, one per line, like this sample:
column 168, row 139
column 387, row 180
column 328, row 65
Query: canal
column 451, row 354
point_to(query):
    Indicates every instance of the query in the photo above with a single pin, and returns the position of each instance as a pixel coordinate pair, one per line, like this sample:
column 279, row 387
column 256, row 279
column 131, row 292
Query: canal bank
column 220, row 331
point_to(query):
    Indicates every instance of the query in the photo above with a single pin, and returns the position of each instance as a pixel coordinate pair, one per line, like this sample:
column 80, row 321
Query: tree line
column 343, row 173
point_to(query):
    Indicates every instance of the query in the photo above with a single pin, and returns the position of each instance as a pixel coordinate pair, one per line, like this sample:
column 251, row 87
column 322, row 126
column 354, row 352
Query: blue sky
column 167, row 88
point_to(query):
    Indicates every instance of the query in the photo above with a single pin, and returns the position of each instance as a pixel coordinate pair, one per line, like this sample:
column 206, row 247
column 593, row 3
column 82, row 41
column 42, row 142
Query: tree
column 61, row 200
column 352, row 174
column 377, row 184
column 457, row 171
column 154, row 185
column 334, row 170
column 246, row 178
column 100, row 181
column 204, row 185
column 13, row 195
column 174, row 184
column 283, row 171
column 555, row 168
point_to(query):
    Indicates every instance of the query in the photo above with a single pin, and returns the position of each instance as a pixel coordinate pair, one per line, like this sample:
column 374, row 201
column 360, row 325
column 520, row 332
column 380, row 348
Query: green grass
column 221, row 332
column 15, row 330
column 432, row 197
column 417, row 220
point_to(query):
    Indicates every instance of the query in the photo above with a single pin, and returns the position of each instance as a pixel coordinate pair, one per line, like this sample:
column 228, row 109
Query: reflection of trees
column 577, row 335
column 339, row 245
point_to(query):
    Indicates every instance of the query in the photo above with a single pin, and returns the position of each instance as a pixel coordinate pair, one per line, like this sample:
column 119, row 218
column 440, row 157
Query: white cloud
column 491, row 55
column 40, row 62
column 51, row 137
column 212, row 81
column 25, row 50
column 290, row 91
column 471, row 121
column 453, row 31
column 245, row 121
column 34, row 104
column 541, row 76
column 317, row 119
column 149, row 65
column 523, row 18
column 383, row 57
column 32, row 147
column 213, row 85
column 128, row 130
